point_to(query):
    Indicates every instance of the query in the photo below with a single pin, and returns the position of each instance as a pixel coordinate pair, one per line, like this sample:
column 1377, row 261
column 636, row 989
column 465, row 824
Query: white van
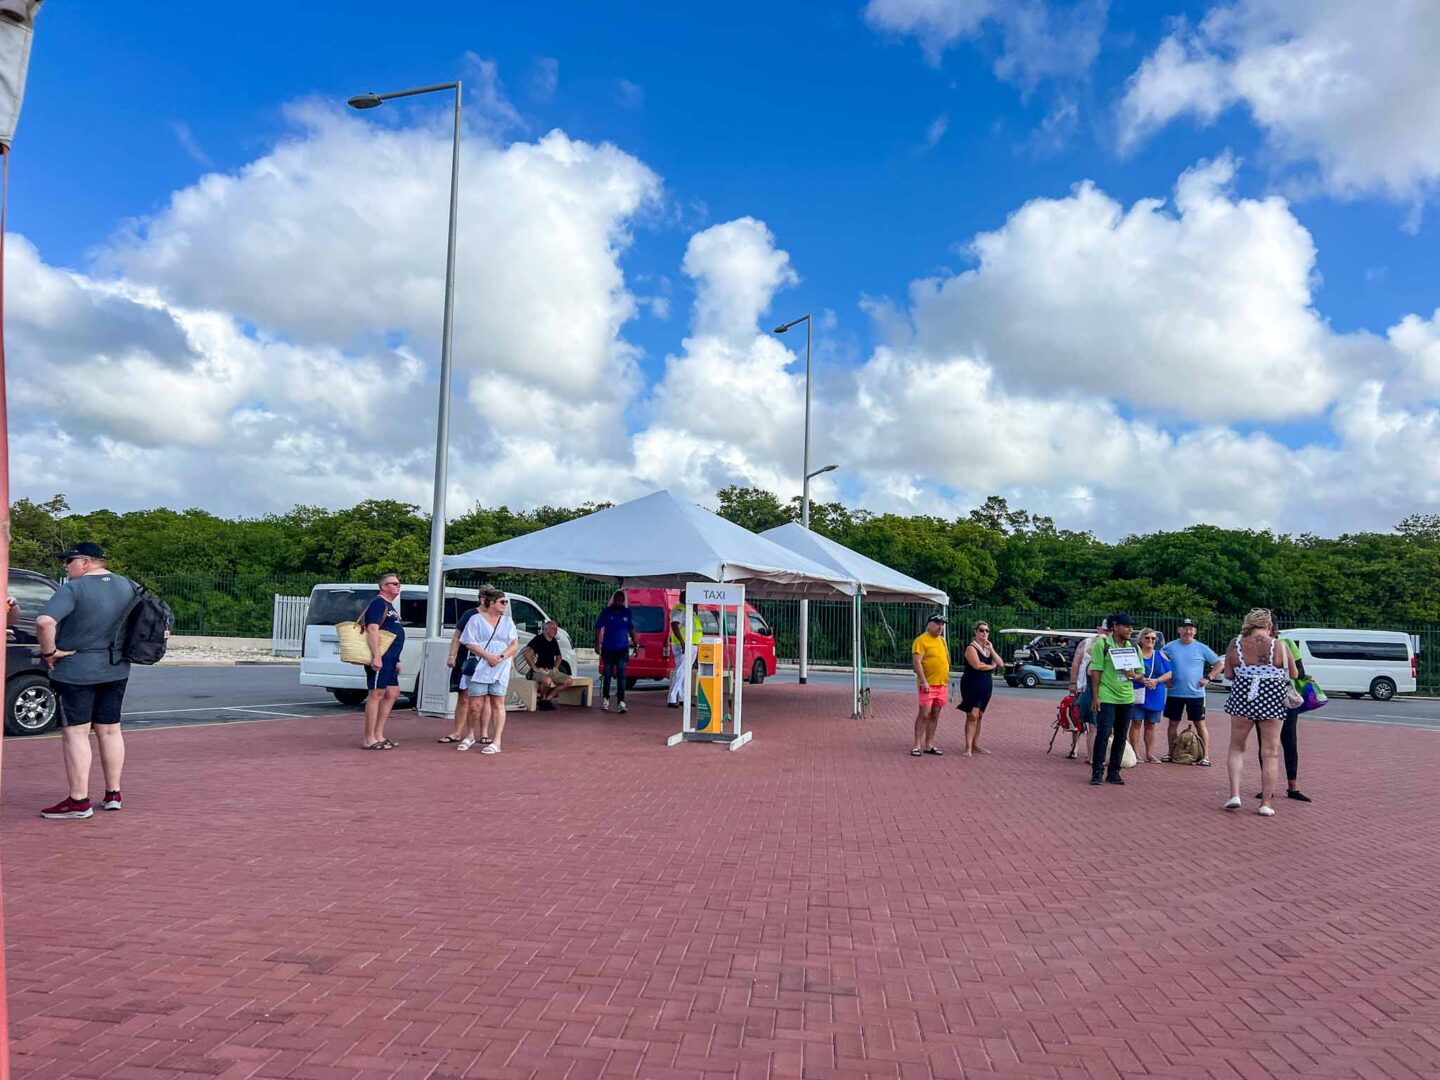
column 1380, row 663
column 320, row 663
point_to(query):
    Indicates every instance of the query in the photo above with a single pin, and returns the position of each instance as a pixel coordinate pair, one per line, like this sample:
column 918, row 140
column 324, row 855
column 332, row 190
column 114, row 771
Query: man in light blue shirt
column 1187, row 689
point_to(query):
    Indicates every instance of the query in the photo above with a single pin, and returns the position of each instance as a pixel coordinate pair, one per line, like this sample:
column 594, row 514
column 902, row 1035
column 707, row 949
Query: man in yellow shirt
column 930, row 656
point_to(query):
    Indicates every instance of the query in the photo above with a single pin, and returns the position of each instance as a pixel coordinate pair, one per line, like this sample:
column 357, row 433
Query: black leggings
column 1288, row 745
column 612, row 664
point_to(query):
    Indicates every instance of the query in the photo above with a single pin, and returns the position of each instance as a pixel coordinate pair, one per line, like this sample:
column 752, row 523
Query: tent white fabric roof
column 662, row 541
column 878, row 581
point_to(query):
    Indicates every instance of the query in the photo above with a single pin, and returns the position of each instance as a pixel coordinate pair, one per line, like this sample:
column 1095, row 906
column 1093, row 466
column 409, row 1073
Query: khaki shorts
column 554, row 676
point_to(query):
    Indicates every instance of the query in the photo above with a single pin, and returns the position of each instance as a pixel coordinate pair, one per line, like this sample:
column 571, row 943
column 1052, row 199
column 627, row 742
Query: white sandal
column 1234, row 803
column 491, row 749
column 1266, row 811
column 465, row 743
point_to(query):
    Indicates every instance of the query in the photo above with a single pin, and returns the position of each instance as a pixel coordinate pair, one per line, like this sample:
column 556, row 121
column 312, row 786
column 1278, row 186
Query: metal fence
column 244, row 606
column 287, row 628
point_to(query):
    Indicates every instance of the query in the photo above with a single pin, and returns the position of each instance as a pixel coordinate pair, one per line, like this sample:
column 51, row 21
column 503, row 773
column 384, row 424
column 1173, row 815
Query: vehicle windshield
column 648, row 619
column 331, row 606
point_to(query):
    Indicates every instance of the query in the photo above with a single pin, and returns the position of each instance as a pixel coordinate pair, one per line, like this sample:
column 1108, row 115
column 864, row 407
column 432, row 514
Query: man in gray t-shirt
column 75, row 629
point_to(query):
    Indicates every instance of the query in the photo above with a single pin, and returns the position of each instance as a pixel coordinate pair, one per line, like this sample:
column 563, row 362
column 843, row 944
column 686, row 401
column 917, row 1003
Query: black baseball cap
column 1188, row 622
column 1121, row 619
column 84, row 550
column 937, row 617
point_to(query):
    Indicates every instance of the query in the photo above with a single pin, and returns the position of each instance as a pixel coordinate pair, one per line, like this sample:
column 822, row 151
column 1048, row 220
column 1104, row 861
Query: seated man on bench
column 543, row 655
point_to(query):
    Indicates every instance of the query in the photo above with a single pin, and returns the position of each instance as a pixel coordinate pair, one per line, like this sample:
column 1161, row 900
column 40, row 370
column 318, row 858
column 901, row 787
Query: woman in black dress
column 976, row 684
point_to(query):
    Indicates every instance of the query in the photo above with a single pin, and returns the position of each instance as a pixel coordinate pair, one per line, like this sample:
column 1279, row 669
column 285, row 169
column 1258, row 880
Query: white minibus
column 320, row 663
column 1380, row 663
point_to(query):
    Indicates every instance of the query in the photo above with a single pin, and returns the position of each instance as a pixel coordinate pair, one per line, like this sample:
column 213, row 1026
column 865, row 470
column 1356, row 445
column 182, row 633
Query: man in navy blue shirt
column 382, row 674
column 614, row 638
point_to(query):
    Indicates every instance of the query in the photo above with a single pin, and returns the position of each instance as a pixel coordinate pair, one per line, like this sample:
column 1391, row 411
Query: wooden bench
column 520, row 694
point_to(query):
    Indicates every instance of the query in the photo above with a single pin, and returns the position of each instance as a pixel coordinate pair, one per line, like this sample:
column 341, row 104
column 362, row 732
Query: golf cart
column 1044, row 656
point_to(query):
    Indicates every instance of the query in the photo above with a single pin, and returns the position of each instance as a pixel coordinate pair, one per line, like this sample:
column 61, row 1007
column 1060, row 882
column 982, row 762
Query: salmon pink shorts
column 932, row 696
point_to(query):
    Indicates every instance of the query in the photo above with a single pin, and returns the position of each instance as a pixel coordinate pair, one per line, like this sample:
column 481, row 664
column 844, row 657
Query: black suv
column 30, row 704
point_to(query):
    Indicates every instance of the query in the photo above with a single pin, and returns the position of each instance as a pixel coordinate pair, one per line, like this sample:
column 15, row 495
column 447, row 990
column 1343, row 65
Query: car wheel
column 1029, row 681
column 1382, row 689
column 31, row 706
column 757, row 672
column 350, row 697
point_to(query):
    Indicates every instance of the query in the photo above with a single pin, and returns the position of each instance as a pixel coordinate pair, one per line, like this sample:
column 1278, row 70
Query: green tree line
column 994, row 556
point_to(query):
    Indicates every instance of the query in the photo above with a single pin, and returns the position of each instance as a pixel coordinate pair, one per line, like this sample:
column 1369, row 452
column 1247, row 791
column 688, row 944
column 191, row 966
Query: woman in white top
column 1260, row 667
column 492, row 637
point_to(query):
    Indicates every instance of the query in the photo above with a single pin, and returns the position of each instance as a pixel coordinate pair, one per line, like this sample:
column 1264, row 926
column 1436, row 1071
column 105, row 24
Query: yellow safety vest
column 696, row 630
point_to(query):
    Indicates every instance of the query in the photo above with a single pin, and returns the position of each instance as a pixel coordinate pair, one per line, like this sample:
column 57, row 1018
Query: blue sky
column 872, row 154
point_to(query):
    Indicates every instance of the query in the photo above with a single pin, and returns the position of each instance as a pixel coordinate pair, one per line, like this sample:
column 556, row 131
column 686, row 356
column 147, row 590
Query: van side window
column 413, row 610
column 526, row 615
column 757, row 625
column 1372, row 651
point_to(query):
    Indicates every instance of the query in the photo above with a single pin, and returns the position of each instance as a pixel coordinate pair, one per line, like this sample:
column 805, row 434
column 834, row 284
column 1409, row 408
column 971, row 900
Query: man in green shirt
column 1113, row 663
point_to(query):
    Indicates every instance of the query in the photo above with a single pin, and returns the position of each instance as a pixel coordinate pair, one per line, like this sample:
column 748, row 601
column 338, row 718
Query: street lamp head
column 365, row 101
column 828, row 468
column 782, row 329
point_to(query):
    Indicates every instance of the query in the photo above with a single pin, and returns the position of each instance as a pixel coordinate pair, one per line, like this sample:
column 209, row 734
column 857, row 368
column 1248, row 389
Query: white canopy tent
column 664, row 542
column 872, row 580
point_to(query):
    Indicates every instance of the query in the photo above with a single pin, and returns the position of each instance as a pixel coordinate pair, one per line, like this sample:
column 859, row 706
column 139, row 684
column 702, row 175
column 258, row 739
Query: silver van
column 320, row 663
column 1380, row 663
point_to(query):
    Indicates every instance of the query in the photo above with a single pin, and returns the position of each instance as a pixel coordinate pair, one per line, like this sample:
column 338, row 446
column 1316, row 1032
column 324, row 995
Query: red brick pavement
column 274, row 902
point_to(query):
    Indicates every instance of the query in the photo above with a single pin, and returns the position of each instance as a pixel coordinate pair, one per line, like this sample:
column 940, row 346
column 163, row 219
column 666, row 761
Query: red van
column 650, row 609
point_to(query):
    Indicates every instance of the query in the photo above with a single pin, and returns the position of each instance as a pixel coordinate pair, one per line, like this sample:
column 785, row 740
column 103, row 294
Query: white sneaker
column 604, row 704
column 1267, row 811
column 622, row 707
column 1234, row 803
column 465, row 743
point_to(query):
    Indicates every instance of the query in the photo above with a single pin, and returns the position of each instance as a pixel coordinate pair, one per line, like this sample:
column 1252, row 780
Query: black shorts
column 90, row 703
column 387, row 676
column 1189, row 708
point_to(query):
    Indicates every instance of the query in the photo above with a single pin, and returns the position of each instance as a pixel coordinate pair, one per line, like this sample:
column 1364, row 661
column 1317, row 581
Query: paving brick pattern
column 275, row 902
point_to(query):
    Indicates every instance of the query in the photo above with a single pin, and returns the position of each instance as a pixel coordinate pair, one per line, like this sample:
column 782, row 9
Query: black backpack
column 142, row 629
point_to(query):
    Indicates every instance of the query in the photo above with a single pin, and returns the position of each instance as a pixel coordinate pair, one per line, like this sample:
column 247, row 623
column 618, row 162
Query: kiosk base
column 734, row 741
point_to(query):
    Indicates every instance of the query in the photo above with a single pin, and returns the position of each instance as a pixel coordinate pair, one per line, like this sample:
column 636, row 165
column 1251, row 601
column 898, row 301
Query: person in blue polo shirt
column 614, row 638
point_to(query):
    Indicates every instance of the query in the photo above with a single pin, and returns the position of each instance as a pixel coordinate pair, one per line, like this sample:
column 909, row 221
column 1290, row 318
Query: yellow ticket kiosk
column 712, row 715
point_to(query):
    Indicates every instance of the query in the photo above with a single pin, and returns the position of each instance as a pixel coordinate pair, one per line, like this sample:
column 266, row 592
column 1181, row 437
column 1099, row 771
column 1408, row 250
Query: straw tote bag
column 354, row 645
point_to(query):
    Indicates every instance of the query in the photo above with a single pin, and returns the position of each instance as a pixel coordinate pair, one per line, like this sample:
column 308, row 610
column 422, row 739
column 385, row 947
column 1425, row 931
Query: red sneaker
column 68, row 808
column 111, row 801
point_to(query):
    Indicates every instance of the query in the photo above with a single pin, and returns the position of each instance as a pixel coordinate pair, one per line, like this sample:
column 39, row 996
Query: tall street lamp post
column 435, row 612
column 805, row 492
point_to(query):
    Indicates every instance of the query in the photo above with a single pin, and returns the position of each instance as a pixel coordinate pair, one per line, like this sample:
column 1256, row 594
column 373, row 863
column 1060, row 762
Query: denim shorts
column 1150, row 716
column 486, row 689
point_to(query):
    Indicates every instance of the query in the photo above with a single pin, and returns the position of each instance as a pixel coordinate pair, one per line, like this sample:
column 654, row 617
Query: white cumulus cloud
column 1345, row 87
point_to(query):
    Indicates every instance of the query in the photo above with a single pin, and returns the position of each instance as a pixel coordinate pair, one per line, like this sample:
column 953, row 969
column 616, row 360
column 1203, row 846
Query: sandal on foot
column 935, row 750
column 1204, row 761
column 491, row 749
column 916, row 753
column 1166, row 760
column 448, row 739
column 386, row 744
column 486, row 742
column 375, row 746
